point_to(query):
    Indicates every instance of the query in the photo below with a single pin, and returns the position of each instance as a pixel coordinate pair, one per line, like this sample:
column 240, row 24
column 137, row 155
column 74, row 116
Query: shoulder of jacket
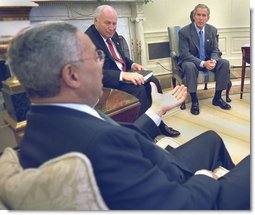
column 211, row 27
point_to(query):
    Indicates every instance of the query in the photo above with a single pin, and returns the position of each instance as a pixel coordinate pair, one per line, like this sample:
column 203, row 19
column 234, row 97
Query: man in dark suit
column 116, row 70
column 132, row 172
column 197, row 55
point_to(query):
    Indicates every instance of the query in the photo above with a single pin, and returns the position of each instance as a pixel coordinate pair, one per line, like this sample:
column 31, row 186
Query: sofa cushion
column 63, row 183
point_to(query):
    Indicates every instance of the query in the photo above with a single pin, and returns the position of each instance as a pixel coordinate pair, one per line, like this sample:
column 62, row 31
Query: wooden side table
column 119, row 105
column 245, row 59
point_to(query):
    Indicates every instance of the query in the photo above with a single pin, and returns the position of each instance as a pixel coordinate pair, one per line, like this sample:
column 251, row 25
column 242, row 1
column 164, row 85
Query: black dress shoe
column 195, row 108
column 167, row 131
column 220, row 102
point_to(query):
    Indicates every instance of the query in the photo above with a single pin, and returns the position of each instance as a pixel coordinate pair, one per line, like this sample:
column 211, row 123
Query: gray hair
column 201, row 6
column 100, row 9
column 37, row 54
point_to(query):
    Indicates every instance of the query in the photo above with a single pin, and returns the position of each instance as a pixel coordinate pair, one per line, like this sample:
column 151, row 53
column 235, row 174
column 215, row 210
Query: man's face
column 106, row 23
column 90, row 72
column 201, row 17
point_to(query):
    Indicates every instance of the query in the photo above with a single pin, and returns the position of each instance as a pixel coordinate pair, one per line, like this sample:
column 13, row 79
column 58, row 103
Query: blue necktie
column 201, row 46
column 202, row 53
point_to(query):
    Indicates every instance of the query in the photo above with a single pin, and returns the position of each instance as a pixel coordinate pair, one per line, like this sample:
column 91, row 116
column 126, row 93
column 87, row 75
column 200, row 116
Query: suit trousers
column 222, row 75
column 207, row 151
column 141, row 92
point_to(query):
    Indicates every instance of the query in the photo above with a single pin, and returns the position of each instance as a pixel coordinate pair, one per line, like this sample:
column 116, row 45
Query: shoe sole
column 221, row 107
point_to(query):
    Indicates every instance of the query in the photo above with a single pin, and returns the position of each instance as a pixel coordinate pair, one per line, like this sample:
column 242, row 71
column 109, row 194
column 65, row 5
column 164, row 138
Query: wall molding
column 231, row 39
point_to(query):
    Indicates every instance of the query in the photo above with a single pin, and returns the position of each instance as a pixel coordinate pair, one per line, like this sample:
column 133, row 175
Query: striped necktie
column 109, row 42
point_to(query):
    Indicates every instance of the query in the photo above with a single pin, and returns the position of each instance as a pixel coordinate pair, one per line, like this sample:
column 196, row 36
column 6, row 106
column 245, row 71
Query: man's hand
column 162, row 103
column 209, row 64
column 136, row 66
column 134, row 77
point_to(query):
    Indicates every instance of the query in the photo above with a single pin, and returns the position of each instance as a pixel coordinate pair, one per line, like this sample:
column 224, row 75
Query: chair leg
column 205, row 88
column 174, row 81
column 228, row 90
column 183, row 106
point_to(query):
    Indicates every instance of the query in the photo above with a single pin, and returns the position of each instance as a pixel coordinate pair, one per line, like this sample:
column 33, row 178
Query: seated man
column 132, row 172
column 198, row 49
column 117, row 66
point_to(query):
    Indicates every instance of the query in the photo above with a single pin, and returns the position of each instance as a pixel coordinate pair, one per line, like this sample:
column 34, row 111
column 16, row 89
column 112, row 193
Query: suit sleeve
column 215, row 52
column 133, row 173
column 111, row 73
column 147, row 125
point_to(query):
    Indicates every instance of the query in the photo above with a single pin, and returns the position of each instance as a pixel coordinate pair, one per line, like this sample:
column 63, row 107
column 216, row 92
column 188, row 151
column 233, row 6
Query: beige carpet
column 232, row 125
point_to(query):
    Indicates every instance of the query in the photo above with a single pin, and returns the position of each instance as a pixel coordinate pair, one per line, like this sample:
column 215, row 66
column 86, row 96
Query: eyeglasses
column 99, row 57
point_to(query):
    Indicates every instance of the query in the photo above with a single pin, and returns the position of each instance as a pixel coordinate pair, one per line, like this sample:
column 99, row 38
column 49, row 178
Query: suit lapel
column 194, row 36
column 107, row 118
column 116, row 41
column 208, row 38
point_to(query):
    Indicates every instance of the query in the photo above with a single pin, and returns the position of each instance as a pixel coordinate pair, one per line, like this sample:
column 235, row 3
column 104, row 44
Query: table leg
column 242, row 77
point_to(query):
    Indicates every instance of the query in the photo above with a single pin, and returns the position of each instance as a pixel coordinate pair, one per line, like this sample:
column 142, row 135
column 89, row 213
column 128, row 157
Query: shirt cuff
column 132, row 66
column 154, row 117
column 202, row 64
column 203, row 172
column 121, row 74
column 214, row 61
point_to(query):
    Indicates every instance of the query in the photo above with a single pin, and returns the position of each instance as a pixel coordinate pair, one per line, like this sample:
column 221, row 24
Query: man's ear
column 70, row 76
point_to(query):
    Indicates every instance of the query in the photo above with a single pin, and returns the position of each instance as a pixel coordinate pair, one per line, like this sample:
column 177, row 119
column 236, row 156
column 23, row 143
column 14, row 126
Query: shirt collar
column 79, row 107
column 198, row 29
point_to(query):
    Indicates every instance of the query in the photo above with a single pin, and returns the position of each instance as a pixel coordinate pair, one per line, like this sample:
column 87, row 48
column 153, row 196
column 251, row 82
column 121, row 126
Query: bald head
column 105, row 20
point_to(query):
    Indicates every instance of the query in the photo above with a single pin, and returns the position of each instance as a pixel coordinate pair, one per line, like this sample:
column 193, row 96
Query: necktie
column 115, row 55
column 201, row 46
column 202, row 53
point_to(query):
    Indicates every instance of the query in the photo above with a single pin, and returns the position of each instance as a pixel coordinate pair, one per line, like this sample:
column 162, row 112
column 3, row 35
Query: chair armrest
column 173, row 55
column 165, row 141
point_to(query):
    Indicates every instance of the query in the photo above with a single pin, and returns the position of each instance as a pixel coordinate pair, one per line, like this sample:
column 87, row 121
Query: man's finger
column 154, row 88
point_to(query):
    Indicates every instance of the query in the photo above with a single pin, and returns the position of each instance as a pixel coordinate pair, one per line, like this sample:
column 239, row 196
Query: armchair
column 63, row 183
column 177, row 74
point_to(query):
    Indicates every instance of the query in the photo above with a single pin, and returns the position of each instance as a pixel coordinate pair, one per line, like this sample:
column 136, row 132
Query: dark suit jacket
column 110, row 69
column 189, row 44
column 131, row 171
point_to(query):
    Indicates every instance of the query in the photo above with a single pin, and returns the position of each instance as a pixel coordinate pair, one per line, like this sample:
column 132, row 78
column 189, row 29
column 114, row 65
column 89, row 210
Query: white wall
column 231, row 17
column 224, row 13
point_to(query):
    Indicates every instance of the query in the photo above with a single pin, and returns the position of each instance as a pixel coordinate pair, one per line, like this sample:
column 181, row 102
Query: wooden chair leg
column 228, row 90
column 183, row 106
column 205, row 88
column 174, row 81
